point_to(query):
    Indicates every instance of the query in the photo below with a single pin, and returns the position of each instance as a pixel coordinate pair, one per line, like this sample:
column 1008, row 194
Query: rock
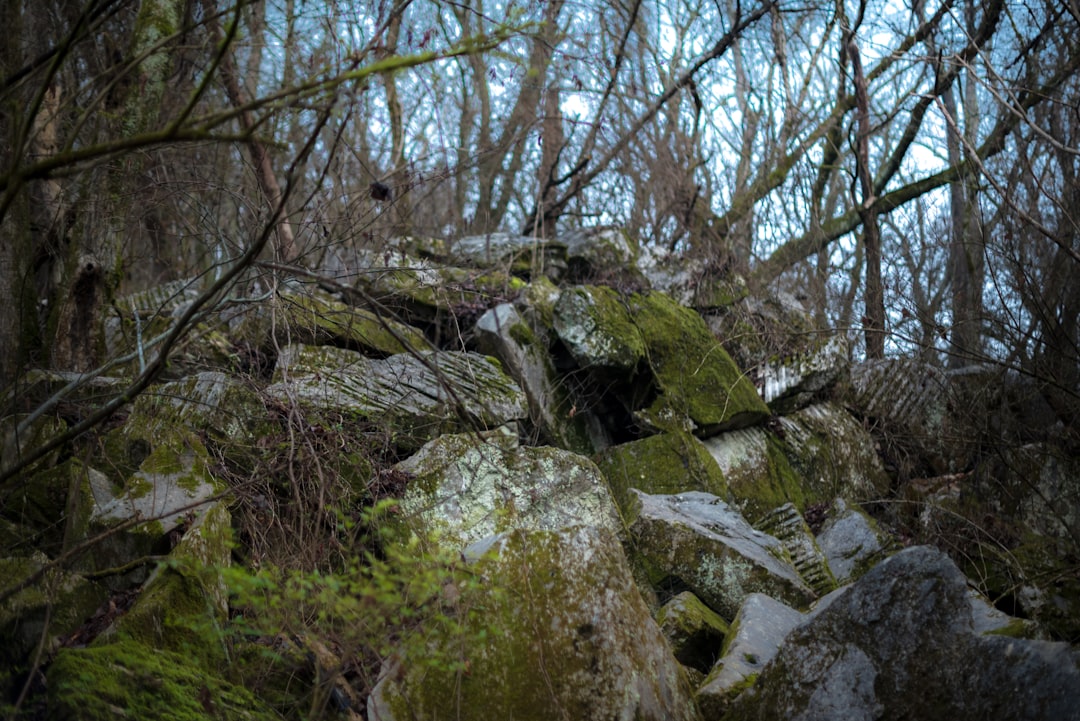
column 786, row 524
column 170, row 488
column 462, row 489
column 164, row 658
column 696, row 632
column 900, row 644
column 663, row 464
column 757, row 471
column 606, row 254
column 317, row 319
column 679, row 377
column 851, row 541
column 692, row 282
column 755, row 636
column 210, row 402
column 570, row 637
column 913, row 404
column 697, row 541
column 62, row 599
column 795, row 382
column 833, row 454
column 523, row 350
column 521, row 255
column 415, row 398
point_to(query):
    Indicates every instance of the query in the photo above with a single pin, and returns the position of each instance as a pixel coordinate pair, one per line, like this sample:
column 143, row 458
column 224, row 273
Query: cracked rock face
column 901, row 644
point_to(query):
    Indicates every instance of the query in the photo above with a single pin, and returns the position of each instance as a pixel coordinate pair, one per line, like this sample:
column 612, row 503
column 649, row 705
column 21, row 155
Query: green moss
column 663, row 464
column 696, row 376
column 129, row 679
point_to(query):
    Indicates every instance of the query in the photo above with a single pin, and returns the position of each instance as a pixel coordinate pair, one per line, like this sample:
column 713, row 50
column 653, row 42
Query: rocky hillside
column 512, row 478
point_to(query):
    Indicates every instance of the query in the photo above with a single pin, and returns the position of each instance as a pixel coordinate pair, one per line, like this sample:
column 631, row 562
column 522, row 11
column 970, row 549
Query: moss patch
column 662, row 464
column 129, row 679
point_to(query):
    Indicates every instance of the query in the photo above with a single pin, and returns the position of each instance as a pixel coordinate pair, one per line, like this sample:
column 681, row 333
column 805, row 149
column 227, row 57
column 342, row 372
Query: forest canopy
column 909, row 171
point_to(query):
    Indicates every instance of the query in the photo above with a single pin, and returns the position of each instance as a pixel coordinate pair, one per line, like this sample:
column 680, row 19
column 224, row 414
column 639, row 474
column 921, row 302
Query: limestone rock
column 900, row 644
column 463, row 489
column 416, row 398
column 571, row 638
column 796, row 381
column 678, row 375
column 696, row 632
column 755, row 636
column 851, row 541
column 666, row 463
column 913, row 404
column 833, row 454
column 318, row 319
column 757, row 471
column 522, row 348
column 696, row 540
column 520, row 254
column 786, row 524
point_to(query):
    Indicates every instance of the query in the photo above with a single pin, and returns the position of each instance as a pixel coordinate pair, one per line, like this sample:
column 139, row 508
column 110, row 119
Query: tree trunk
column 873, row 319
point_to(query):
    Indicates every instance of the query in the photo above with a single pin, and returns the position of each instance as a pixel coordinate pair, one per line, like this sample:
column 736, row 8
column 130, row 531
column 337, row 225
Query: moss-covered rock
column 318, row 319
column 569, row 637
column 662, row 464
column 414, row 398
column 54, row 504
column 171, row 489
column 757, row 470
column 694, row 540
column 678, row 375
column 833, row 454
column 787, row 525
column 463, row 488
column 61, row 599
column 696, row 632
column 133, row 680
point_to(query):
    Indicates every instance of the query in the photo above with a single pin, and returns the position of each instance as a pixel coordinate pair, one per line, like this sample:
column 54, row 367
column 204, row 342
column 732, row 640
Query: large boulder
column 752, row 641
column 522, row 346
column 694, row 540
column 901, row 644
column 463, row 488
column 758, row 472
column 663, row 464
column 570, row 637
column 677, row 375
column 414, row 397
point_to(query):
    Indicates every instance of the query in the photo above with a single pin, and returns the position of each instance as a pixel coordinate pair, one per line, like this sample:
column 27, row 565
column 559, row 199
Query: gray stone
column 569, row 636
column 795, row 381
column 755, row 636
column 463, row 488
column 786, row 524
column 851, row 541
column 901, row 644
column 416, row 396
column 699, row 541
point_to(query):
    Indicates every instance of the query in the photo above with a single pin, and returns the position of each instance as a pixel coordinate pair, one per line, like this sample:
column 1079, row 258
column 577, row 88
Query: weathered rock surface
column 699, row 542
column 572, row 639
column 463, row 488
column 755, row 636
column 833, row 454
column 683, row 378
column 416, row 397
column 523, row 350
column 787, row 525
column 696, row 632
column 901, row 644
column 851, row 541
column 663, row 464
column 757, row 471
